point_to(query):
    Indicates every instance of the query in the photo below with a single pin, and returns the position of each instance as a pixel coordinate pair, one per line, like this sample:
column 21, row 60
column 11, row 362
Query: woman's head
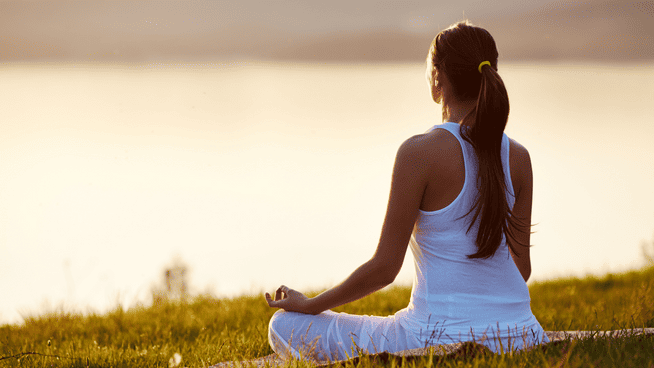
column 456, row 54
column 462, row 67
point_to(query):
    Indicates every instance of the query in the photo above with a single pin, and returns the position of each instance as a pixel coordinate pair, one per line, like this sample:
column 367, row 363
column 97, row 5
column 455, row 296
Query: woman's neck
column 457, row 111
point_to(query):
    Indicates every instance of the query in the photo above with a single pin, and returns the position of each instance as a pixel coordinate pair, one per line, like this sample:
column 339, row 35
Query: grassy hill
column 207, row 330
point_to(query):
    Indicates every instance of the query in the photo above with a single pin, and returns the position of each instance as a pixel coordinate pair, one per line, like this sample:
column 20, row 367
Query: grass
column 207, row 330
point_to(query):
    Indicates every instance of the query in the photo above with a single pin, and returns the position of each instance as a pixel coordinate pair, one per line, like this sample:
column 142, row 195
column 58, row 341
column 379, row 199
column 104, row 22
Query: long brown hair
column 458, row 52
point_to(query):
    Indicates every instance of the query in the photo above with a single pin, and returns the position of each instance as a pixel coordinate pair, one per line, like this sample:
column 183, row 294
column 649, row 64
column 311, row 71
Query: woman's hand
column 290, row 300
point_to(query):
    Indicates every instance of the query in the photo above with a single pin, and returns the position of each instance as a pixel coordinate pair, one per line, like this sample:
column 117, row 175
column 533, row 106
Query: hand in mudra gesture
column 289, row 300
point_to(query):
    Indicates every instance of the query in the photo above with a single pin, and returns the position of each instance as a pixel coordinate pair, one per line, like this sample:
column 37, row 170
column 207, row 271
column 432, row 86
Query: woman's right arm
column 522, row 178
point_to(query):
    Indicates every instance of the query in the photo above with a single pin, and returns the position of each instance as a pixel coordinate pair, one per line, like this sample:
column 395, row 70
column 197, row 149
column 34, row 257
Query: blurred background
column 248, row 144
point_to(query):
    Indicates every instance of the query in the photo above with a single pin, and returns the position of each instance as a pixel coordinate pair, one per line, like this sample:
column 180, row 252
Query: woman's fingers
column 288, row 299
column 279, row 293
column 282, row 292
column 270, row 301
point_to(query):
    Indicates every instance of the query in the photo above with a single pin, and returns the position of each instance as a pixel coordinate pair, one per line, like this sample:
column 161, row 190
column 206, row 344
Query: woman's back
column 452, row 292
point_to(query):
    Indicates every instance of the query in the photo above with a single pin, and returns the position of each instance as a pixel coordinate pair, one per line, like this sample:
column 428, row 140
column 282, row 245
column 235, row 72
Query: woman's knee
column 276, row 319
column 291, row 327
column 277, row 336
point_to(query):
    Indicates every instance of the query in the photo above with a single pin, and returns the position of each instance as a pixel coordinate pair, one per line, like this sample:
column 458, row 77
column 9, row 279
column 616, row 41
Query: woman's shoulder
column 430, row 142
column 519, row 155
column 518, row 148
column 520, row 163
column 436, row 151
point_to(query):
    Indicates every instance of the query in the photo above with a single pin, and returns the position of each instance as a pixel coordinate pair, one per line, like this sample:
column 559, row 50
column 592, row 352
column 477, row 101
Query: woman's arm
column 521, row 174
column 407, row 187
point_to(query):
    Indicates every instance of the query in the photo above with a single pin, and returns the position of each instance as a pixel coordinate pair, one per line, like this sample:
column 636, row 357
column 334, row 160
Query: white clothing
column 454, row 298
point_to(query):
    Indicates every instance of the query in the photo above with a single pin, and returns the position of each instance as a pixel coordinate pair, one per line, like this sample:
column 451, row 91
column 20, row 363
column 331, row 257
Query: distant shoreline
column 218, row 63
column 611, row 31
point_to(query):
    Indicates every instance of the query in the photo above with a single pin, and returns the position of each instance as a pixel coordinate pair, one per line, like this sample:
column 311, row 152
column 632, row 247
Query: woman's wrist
column 313, row 306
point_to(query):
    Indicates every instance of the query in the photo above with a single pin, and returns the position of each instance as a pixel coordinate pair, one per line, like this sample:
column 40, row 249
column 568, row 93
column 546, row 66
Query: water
column 257, row 174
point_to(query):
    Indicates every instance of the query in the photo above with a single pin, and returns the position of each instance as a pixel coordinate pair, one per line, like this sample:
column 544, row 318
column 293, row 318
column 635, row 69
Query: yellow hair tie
column 482, row 64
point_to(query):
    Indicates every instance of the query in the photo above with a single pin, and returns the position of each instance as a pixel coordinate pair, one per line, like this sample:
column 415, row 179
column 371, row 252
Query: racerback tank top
column 452, row 292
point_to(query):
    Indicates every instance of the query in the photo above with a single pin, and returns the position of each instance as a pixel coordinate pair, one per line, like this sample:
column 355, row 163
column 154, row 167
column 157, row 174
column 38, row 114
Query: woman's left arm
column 407, row 187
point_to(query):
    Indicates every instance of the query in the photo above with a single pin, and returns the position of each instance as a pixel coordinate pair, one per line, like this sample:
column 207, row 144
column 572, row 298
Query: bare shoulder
column 520, row 161
column 519, row 155
column 429, row 145
column 518, row 149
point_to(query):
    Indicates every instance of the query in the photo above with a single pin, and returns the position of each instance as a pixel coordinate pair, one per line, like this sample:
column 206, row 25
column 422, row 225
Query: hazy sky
column 335, row 30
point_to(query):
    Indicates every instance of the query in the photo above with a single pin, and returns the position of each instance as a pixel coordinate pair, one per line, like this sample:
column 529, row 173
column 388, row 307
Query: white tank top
column 450, row 290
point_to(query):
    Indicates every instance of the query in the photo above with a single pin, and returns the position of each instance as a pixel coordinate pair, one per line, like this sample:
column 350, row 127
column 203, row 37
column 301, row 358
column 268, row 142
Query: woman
column 461, row 197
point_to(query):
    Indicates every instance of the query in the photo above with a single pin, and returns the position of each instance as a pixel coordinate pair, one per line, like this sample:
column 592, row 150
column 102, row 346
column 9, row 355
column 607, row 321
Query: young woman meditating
column 461, row 198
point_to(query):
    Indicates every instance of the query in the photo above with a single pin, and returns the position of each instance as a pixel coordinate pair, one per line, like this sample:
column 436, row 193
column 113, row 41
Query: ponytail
column 468, row 56
column 484, row 129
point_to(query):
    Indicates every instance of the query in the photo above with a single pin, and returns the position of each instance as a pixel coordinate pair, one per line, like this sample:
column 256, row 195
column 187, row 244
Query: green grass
column 206, row 330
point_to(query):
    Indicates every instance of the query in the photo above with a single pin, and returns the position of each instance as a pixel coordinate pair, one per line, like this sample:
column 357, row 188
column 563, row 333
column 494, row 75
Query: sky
column 125, row 31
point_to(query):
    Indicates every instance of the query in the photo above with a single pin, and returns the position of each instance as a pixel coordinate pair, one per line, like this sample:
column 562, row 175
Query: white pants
column 331, row 336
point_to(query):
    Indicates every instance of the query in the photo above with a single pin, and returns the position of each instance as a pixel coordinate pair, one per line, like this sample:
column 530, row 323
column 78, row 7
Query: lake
column 256, row 174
